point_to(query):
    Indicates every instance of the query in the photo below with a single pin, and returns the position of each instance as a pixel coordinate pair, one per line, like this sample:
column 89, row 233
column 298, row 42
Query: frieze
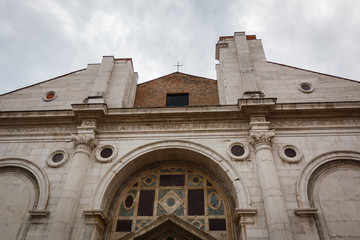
column 37, row 130
column 171, row 126
column 314, row 123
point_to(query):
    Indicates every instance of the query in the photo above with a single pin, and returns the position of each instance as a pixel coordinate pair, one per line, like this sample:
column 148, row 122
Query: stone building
column 266, row 151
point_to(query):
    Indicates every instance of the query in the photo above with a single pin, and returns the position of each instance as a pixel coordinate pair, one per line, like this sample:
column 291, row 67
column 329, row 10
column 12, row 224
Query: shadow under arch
column 309, row 170
column 162, row 151
column 37, row 174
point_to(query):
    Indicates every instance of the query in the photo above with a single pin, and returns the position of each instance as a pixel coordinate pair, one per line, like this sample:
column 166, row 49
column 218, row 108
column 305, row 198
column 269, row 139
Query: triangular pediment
column 168, row 226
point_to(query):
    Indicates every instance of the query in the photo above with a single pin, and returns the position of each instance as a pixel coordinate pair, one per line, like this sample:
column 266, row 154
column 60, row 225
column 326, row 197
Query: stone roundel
column 57, row 158
column 306, row 87
column 290, row 153
column 49, row 96
column 238, row 151
column 106, row 153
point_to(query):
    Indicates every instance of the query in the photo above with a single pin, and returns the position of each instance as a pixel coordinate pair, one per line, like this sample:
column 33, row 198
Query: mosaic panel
column 184, row 192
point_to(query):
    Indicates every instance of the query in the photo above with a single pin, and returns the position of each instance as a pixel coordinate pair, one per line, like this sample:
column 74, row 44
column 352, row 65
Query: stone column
column 276, row 214
column 66, row 210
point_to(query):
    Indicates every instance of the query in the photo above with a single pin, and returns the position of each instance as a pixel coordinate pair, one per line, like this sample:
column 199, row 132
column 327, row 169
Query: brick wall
column 202, row 91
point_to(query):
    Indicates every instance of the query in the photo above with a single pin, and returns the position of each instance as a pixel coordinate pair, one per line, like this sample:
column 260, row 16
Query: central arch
column 160, row 152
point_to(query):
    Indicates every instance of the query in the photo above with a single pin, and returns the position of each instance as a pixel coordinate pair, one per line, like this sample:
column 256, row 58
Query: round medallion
column 170, row 202
column 129, row 201
column 57, row 158
column 306, row 87
column 290, row 153
column 238, row 151
column 214, row 200
column 49, row 96
column 105, row 153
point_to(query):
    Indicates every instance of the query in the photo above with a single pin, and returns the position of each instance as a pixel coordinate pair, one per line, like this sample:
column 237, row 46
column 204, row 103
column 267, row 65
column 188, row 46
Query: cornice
column 228, row 112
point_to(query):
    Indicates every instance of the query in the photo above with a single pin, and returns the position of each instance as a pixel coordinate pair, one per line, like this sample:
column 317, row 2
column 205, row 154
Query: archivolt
column 156, row 152
column 306, row 174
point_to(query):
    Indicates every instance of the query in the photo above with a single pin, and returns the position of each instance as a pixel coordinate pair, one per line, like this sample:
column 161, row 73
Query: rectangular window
column 217, row 225
column 177, row 100
column 123, row 226
column 172, row 180
column 146, row 203
column 195, row 202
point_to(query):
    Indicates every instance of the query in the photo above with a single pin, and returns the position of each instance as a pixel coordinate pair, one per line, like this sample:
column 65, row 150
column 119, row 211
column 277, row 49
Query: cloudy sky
column 42, row 39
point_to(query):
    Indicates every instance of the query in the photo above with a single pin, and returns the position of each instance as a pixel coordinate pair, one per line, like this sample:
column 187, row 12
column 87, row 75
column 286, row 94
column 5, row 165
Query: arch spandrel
column 162, row 151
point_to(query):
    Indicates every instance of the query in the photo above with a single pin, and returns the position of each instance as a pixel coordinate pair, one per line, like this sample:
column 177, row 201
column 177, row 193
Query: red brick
column 202, row 91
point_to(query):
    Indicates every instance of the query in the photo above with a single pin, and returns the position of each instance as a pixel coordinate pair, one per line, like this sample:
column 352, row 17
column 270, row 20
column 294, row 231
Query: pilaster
column 102, row 80
column 246, row 65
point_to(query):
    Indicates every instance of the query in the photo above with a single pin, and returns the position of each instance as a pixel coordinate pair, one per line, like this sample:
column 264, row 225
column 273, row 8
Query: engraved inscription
column 314, row 123
column 172, row 126
column 37, row 130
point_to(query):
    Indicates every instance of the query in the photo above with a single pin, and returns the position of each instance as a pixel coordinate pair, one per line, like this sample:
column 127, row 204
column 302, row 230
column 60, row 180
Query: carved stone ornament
column 261, row 138
column 84, row 139
column 88, row 123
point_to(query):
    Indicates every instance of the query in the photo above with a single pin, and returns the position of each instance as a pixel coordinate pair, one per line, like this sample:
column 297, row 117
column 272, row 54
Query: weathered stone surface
column 254, row 104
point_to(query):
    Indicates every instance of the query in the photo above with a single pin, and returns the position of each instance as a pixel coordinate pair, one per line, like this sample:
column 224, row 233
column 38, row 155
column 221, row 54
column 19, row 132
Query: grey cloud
column 40, row 40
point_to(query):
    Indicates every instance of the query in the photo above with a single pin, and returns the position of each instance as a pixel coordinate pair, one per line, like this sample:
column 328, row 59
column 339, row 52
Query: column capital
column 261, row 138
column 84, row 142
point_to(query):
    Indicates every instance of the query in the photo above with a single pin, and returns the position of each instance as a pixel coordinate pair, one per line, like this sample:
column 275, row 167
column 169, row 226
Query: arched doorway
column 182, row 190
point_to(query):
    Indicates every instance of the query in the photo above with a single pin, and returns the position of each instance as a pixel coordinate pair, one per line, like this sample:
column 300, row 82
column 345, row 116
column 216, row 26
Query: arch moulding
column 39, row 175
column 312, row 166
column 153, row 153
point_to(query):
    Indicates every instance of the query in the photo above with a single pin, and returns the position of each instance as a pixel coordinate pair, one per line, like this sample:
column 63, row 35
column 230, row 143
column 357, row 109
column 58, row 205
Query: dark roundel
column 171, row 202
column 129, row 201
column 57, row 157
column 305, row 87
column 289, row 152
column 106, row 153
column 237, row 150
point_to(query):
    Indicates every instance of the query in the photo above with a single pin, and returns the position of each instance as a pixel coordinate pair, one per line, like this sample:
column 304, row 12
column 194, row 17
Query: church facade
column 265, row 151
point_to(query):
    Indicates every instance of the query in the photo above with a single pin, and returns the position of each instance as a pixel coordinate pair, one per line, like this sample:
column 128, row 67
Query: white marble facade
column 278, row 158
